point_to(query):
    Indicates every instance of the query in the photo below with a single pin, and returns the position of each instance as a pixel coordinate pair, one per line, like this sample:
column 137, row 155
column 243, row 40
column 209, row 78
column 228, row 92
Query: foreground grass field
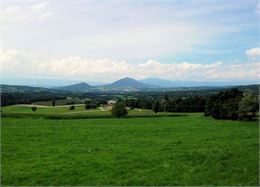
column 185, row 150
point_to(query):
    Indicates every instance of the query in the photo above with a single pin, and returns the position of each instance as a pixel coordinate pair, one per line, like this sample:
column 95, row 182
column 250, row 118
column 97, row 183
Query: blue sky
column 107, row 40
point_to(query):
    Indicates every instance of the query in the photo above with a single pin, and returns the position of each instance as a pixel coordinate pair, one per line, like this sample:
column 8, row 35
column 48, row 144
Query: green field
column 79, row 112
column 184, row 150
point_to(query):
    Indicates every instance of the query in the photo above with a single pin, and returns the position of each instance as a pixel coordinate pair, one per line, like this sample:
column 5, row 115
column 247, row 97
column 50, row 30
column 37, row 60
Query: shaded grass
column 190, row 150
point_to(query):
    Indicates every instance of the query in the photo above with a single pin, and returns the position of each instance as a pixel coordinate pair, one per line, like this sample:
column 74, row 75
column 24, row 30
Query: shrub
column 119, row 110
column 72, row 107
column 34, row 108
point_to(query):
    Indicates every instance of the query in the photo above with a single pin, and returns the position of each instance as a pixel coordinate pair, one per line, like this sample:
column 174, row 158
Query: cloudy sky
column 96, row 40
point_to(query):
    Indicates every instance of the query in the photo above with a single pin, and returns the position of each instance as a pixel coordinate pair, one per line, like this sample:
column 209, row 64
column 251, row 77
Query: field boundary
column 64, row 116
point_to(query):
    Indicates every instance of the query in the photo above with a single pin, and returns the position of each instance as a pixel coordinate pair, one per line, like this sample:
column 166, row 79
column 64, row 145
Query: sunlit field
column 64, row 111
column 183, row 150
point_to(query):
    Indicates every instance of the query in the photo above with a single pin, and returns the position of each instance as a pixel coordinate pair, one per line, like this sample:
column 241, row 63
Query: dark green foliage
column 156, row 106
column 72, row 107
column 53, row 102
column 248, row 107
column 90, row 104
column 119, row 110
column 34, row 108
column 11, row 98
column 70, row 103
column 87, row 104
column 224, row 105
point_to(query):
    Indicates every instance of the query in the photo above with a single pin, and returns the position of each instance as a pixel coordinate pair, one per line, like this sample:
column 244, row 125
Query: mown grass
column 63, row 112
column 185, row 150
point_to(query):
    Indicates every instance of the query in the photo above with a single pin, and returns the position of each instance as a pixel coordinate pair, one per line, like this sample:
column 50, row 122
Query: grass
column 185, row 150
column 63, row 112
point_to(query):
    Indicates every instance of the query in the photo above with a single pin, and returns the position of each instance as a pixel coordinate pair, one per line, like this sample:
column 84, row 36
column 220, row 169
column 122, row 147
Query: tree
column 72, row 107
column 166, row 98
column 34, row 108
column 90, row 104
column 119, row 110
column 248, row 107
column 87, row 104
column 53, row 102
column 224, row 105
column 156, row 106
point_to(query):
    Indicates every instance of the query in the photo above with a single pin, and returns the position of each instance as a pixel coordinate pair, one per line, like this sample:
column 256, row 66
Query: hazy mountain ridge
column 128, row 85
column 80, row 87
column 164, row 83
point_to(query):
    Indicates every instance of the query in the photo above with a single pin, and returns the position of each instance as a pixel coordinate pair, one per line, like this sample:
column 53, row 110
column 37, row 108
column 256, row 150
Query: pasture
column 63, row 111
column 184, row 150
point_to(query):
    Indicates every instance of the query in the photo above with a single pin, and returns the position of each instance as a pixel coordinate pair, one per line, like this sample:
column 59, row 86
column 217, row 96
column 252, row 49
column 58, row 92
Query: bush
column 119, row 110
column 72, row 107
column 34, row 108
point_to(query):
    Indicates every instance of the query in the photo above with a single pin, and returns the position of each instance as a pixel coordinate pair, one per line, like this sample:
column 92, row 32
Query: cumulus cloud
column 21, row 63
column 253, row 53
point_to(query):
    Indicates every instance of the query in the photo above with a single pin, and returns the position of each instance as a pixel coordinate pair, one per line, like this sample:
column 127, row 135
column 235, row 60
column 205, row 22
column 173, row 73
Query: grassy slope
column 190, row 150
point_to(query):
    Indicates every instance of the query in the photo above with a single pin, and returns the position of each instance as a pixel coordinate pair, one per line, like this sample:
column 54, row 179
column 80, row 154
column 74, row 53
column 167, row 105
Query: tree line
column 232, row 104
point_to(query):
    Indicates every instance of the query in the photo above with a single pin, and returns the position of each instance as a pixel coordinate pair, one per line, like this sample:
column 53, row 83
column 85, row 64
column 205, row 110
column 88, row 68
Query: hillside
column 18, row 88
column 128, row 84
column 80, row 87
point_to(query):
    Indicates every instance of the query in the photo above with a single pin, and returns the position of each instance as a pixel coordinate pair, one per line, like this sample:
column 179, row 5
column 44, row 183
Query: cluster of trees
column 169, row 104
column 232, row 104
column 90, row 104
column 12, row 98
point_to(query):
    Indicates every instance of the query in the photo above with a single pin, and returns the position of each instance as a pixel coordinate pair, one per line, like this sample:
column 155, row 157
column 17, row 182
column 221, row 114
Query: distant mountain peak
column 79, row 87
column 82, row 83
column 128, row 82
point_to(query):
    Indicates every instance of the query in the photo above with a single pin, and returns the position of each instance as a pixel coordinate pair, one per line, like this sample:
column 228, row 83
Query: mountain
column 80, row 87
column 163, row 83
column 45, row 82
column 130, row 84
column 158, row 82
column 22, row 89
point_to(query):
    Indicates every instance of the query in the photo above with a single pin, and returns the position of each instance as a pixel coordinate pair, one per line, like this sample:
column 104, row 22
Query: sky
column 198, row 40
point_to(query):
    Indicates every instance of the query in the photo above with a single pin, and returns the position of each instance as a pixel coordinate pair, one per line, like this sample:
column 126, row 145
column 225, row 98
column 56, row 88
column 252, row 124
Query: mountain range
column 130, row 84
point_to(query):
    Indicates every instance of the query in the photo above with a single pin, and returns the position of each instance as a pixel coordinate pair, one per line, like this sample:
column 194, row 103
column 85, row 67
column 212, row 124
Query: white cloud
column 253, row 53
column 257, row 10
column 132, row 30
column 39, row 6
column 17, row 62
column 16, row 15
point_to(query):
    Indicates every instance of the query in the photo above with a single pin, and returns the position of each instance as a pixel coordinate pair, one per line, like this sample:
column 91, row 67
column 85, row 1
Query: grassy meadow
column 63, row 112
column 184, row 150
